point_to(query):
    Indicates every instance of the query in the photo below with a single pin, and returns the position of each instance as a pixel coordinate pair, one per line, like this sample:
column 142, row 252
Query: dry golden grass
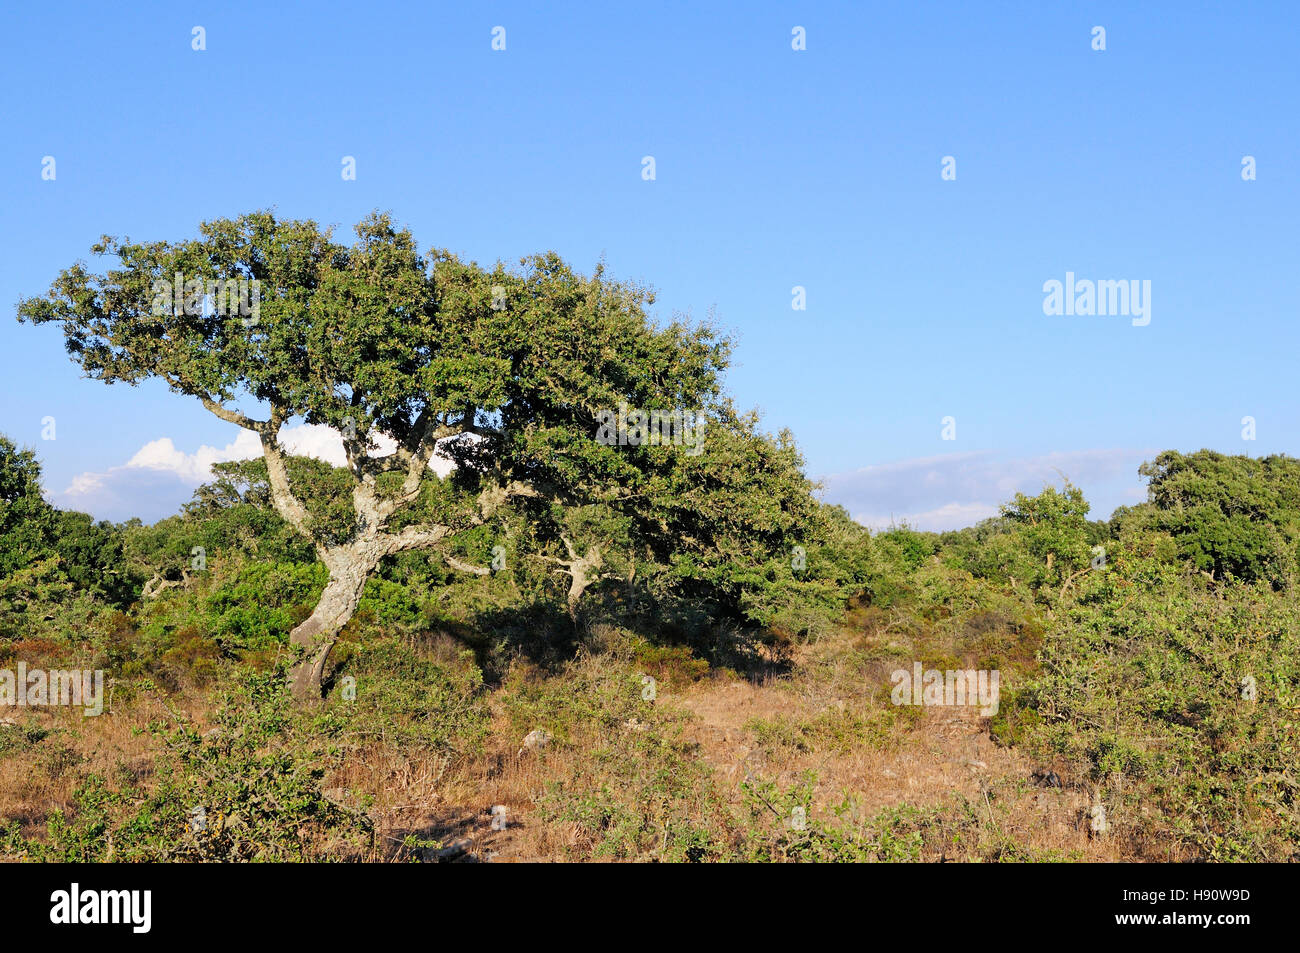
column 114, row 745
column 926, row 758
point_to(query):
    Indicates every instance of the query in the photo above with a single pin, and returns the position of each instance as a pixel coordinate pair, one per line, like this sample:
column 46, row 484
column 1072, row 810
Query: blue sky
column 775, row 168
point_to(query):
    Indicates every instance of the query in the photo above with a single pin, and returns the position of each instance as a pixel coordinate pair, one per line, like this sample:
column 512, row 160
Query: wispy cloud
column 960, row 489
column 928, row 493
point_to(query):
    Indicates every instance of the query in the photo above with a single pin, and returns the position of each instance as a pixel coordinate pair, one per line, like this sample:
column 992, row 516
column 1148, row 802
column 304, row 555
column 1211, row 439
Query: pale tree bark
column 157, row 584
column 350, row 564
column 581, row 570
column 462, row 566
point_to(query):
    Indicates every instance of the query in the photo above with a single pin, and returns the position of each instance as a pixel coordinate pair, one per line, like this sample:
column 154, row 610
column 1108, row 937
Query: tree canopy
column 514, row 375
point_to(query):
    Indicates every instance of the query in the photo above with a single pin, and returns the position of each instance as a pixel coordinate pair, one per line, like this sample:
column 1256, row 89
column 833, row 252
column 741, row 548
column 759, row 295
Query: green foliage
column 233, row 513
column 26, row 520
column 642, row 793
column 1229, row 515
column 247, row 789
column 405, row 699
column 795, row 834
column 1141, row 689
column 258, row 606
column 57, row 569
column 834, row 730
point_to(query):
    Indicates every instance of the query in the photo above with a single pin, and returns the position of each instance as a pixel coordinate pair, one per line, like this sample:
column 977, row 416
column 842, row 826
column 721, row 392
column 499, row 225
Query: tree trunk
column 577, row 586
column 582, row 573
column 316, row 634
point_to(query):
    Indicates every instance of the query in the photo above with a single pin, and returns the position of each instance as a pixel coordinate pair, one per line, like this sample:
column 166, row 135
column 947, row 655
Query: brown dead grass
column 115, row 745
column 926, row 760
column 930, row 759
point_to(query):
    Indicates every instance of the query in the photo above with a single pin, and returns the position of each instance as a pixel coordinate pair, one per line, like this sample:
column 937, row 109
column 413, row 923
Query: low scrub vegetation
column 1149, row 704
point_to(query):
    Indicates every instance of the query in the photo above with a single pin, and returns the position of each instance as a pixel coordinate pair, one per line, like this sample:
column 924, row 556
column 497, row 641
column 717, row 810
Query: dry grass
column 116, row 745
column 924, row 762
column 776, row 728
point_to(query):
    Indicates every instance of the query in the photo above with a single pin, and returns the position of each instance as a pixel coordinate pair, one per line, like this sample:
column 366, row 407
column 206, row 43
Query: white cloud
column 159, row 477
column 948, row 516
column 960, row 489
column 196, row 467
